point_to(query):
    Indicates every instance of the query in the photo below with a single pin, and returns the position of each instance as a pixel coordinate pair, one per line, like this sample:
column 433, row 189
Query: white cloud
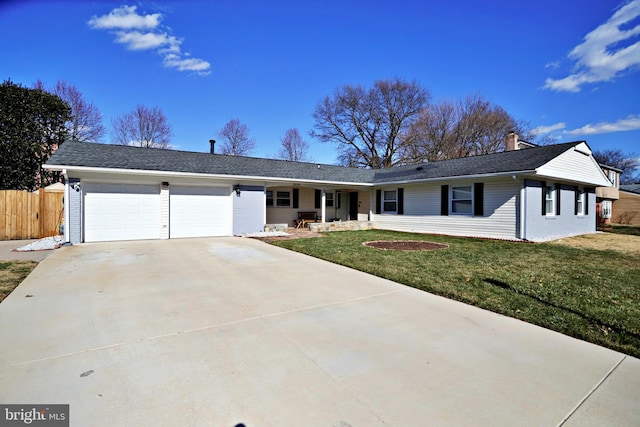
column 541, row 130
column 187, row 64
column 627, row 124
column 125, row 23
column 125, row 17
column 136, row 40
column 602, row 56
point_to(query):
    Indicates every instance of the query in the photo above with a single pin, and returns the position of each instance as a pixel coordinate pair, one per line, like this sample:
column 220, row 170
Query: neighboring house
column 627, row 207
column 606, row 196
column 123, row 193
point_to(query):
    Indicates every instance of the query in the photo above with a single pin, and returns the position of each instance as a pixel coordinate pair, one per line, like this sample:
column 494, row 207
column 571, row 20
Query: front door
column 353, row 205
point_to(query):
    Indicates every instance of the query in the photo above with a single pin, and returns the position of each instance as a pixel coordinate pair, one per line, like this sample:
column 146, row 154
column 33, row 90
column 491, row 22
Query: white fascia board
column 458, row 177
column 200, row 175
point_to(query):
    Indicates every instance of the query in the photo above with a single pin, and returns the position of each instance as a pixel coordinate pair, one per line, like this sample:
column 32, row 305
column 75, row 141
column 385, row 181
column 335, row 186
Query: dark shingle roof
column 83, row 154
column 527, row 159
column 631, row 188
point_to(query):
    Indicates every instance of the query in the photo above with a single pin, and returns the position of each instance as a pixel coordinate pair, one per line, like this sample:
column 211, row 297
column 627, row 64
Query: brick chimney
column 212, row 146
column 511, row 142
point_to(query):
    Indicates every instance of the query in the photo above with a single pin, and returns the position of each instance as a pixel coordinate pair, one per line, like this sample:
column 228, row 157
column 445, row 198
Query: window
column 605, row 209
column 390, row 201
column 580, row 202
column 462, row 200
column 612, row 177
column 283, row 198
column 269, row 198
column 549, row 201
column 329, row 199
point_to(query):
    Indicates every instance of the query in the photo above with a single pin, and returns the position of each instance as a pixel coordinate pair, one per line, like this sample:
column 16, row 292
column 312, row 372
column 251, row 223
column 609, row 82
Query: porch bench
column 306, row 217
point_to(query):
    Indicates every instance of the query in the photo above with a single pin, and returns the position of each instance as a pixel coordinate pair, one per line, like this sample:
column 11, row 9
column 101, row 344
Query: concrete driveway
column 228, row 331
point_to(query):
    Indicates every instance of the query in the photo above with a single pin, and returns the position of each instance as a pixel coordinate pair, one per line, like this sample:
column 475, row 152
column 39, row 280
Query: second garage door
column 199, row 211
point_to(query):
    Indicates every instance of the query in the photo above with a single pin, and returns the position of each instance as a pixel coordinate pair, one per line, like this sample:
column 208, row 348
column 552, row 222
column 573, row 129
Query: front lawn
column 12, row 273
column 589, row 294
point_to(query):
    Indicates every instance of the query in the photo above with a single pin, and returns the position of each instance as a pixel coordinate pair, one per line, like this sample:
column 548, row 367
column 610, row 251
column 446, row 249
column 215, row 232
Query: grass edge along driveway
column 588, row 294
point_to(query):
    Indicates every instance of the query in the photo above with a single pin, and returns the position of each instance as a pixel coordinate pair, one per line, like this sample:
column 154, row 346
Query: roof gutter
column 199, row 175
column 460, row 177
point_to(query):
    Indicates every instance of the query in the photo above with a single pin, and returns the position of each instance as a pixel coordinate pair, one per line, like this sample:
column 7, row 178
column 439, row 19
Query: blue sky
column 571, row 68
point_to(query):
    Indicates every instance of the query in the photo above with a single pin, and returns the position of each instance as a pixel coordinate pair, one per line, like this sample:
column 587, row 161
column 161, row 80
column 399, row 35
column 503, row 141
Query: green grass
column 12, row 273
column 630, row 230
column 589, row 294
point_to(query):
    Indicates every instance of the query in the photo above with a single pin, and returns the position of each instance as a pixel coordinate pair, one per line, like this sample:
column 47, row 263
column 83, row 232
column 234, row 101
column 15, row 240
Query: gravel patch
column 46, row 244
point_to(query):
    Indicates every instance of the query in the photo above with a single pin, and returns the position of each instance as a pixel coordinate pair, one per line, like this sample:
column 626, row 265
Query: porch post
column 323, row 205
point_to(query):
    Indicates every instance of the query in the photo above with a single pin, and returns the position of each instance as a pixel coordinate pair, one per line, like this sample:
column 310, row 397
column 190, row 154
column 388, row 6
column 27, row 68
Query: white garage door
column 199, row 211
column 121, row 212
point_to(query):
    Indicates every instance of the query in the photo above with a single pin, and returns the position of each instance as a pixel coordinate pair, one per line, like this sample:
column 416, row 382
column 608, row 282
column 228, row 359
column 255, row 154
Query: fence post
column 40, row 216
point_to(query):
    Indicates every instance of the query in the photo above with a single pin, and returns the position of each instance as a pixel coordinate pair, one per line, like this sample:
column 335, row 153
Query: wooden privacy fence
column 26, row 215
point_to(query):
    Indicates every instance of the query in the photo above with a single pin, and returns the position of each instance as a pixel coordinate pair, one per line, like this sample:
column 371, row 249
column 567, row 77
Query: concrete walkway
column 7, row 254
column 218, row 332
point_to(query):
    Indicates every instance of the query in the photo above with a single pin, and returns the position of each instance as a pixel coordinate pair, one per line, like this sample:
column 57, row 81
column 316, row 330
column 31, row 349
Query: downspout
column 67, row 237
column 523, row 211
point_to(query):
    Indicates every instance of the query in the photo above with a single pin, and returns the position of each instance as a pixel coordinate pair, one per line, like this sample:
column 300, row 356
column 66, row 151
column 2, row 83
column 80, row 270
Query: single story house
column 117, row 192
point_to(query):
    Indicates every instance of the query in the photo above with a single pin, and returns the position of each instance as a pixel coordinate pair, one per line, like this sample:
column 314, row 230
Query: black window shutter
column 478, row 199
column 400, row 201
column 586, row 201
column 558, row 191
column 378, row 201
column 576, row 195
column 296, row 197
column 318, row 199
column 544, row 198
column 444, row 200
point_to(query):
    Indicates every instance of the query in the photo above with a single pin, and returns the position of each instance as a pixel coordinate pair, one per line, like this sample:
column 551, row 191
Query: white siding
column 164, row 212
column 576, row 166
column 422, row 212
column 540, row 228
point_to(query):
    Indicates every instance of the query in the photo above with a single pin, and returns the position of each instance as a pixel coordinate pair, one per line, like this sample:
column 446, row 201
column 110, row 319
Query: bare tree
column 293, row 147
column 367, row 123
column 629, row 163
column 467, row 127
column 235, row 139
column 142, row 127
column 86, row 121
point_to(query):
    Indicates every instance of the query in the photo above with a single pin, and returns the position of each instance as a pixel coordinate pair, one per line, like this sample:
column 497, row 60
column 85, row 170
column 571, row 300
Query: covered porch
column 304, row 206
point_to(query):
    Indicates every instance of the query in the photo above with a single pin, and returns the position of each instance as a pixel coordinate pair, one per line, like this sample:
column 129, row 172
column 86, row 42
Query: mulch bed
column 405, row 245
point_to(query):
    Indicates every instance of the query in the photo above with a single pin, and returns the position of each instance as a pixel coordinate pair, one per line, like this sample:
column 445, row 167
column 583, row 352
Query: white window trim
column 276, row 198
column 552, row 200
column 452, row 200
column 385, row 200
column 329, row 199
column 612, row 177
column 581, row 200
column 605, row 209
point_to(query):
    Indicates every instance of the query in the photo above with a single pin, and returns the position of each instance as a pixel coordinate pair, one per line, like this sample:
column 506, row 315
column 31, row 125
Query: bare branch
column 293, row 147
column 235, row 139
column 142, row 127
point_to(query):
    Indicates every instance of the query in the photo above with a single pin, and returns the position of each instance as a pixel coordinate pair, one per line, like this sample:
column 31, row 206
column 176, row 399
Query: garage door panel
column 199, row 211
column 121, row 212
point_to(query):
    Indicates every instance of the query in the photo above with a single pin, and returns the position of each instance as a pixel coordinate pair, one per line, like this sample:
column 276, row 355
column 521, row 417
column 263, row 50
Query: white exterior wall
column 540, row 228
column 164, row 212
column 575, row 165
column 422, row 211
